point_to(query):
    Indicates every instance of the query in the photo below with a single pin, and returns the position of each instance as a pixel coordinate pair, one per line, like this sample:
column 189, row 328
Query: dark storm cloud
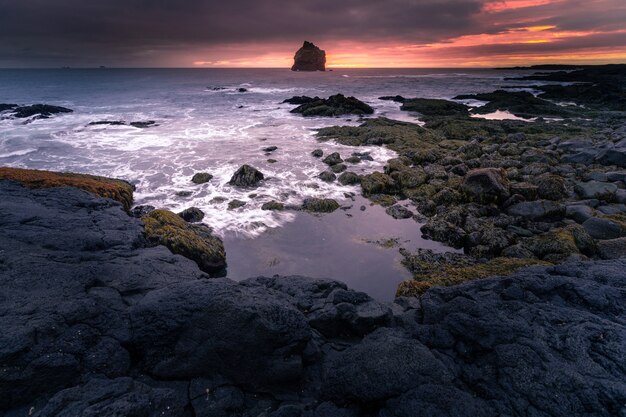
column 121, row 27
column 145, row 32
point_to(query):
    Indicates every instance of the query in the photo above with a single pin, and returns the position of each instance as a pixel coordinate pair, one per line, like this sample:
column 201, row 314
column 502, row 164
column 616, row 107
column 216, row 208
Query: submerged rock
column 399, row 212
column 309, row 58
column 246, row 176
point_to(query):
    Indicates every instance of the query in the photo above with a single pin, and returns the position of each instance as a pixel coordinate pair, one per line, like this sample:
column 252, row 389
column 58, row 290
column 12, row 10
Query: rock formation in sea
column 309, row 58
column 97, row 318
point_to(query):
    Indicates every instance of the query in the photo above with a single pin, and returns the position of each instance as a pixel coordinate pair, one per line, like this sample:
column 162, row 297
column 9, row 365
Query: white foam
column 18, row 153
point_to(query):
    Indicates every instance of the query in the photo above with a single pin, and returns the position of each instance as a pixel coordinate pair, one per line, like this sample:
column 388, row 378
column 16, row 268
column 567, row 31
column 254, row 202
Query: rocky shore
column 97, row 319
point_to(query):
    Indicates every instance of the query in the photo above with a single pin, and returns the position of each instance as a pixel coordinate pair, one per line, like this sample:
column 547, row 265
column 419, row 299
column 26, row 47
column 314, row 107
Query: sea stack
column 309, row 58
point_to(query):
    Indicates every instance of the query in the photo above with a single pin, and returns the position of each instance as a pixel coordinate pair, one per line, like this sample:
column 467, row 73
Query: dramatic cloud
column 266, row 33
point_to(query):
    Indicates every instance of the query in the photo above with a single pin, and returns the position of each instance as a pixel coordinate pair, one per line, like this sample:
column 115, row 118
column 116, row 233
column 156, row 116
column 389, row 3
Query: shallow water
column 205, row 124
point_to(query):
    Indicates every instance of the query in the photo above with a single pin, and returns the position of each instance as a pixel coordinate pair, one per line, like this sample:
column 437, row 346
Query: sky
column 354, row 33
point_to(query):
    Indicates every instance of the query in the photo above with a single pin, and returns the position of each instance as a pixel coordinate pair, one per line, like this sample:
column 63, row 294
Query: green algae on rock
column 196, row 242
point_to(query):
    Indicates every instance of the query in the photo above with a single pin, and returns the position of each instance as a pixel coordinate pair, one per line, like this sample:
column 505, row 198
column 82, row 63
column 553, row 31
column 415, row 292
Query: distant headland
column 309, row 58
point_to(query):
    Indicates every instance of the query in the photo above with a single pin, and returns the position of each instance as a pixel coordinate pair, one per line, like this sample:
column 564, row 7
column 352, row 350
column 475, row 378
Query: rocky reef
column 96, row 320
column 509, row 193
column 309, row 58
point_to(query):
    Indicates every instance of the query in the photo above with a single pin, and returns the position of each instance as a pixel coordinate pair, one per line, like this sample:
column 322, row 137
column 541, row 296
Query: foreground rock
column 93, row 322
column 309, row 58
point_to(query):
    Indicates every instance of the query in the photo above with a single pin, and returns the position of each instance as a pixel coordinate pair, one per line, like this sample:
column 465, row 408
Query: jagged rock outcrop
column 309, row 58
column 94, row 322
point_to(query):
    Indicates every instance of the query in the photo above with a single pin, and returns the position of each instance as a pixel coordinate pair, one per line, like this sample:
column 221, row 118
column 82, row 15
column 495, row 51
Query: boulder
column 337, row 168
column 349, row 178
column 604, row 228
column 596, row 189
column 540, row 210
column 486, row 185
column 551, row 187
column 327, row 176
column 399, row 212
column 377, row 183
column 309, row 58
column 318, row 153
column 332, row 159
column 612, row 248
column 614, row 156
column 246, row 176
column 235, row 204
column 300, row 100
column 192, row 215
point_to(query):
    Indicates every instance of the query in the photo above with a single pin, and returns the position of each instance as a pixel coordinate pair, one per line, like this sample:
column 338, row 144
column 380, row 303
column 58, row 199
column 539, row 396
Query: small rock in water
column 242, row 90
column 333, row 159
column 271, row 161
column 44, row 111
column 235, row 204
column 349, row 178
column 192, row 215
column 270, row 149
column 318, row 153
column 327, row 176
column 246, row 176
column 183, row 193
column 143, row 125
column 353, row 160
column 201, row 178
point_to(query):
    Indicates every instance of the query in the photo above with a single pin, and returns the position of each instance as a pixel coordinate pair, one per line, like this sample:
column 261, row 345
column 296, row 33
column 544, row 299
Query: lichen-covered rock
column 309, row 58
column 118, row 190
column 246, row 176
column 163, row 227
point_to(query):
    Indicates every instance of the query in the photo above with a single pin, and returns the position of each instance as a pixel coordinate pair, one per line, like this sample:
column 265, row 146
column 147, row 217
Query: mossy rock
column 349, row 178
column 114, row 189
column 320, row 205
column 162, row 227
column 377, row 183
column 382, row 199
column 454, row 275
column 559, row 244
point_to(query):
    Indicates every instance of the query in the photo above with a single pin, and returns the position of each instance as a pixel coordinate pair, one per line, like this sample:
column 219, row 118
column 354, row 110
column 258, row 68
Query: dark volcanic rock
column 434, row 107
column 5, row 106
column 94, row 323
column 41, row 110
column 143, row 125
column 246, row 176
column 336, row 105
column 201, row 177
column 332, row 159
column 300, row 100
column 309, row 58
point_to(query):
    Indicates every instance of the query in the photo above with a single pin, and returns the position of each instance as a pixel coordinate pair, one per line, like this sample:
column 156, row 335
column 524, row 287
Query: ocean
column 205, row 123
